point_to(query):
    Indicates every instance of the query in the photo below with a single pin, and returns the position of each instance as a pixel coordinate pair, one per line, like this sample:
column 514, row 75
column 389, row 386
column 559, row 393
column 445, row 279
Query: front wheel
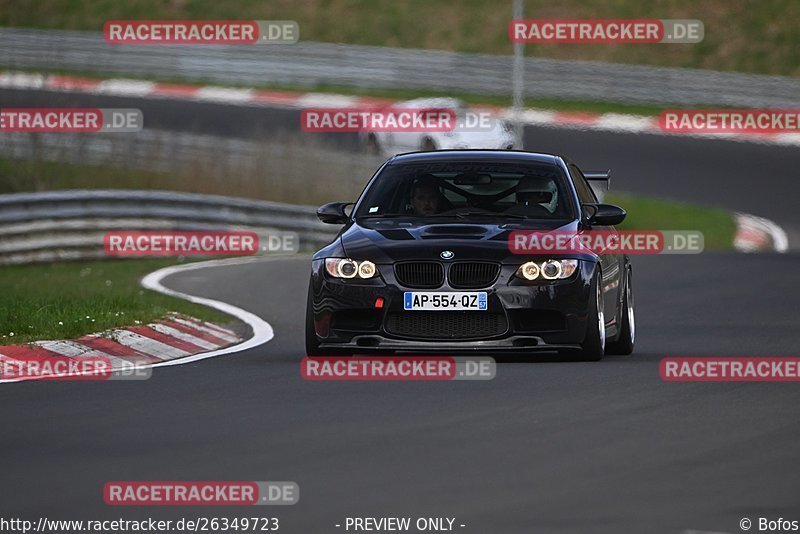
column 627, row 333
column 594, row 344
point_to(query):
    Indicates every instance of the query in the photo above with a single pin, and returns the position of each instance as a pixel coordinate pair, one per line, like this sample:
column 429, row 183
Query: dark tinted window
column 532, row 190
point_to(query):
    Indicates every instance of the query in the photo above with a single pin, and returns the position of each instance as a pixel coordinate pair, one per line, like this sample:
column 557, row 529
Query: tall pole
column 517, row 78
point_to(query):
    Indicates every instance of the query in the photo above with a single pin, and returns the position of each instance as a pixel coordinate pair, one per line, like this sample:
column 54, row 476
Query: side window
column 585, row 193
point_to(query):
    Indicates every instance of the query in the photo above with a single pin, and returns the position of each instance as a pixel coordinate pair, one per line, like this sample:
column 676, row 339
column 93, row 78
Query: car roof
column 441, row 156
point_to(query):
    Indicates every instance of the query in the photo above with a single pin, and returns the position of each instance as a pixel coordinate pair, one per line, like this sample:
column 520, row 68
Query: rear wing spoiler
column 599, row 176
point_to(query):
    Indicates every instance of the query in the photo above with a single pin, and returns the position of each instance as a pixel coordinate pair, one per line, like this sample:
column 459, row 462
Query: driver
column 426, row 198
column 535, row 194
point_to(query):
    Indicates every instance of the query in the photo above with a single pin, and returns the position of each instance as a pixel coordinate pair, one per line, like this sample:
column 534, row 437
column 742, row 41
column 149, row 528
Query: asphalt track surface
column 546, row 446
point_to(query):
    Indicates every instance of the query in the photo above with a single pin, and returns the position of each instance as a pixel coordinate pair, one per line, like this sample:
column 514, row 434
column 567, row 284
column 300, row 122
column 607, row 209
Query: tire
column 312, row 342
column 594, row 344
column 627, row 333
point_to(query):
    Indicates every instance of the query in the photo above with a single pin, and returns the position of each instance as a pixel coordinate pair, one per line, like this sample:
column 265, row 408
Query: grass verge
column 717, row 225
column 18, row 175
column 67, row 300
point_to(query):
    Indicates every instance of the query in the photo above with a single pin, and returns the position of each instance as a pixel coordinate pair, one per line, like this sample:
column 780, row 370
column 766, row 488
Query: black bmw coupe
column 423, row 263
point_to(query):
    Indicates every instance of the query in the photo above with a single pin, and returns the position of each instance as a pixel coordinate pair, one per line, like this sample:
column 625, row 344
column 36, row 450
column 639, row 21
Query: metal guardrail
column 309, row 64
column 68, row 225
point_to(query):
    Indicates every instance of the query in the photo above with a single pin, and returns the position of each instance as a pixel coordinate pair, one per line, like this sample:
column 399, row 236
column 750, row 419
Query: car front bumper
column 349, row 316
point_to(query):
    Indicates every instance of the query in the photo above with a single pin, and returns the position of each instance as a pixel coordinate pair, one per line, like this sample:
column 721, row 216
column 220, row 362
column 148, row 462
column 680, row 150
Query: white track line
column 262, row 330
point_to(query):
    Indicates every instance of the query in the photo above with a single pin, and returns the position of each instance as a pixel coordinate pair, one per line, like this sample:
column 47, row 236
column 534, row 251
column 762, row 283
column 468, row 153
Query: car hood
column 388, row 241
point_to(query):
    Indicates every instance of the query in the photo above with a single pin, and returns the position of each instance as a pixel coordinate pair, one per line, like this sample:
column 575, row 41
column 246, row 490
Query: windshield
column 468, row 190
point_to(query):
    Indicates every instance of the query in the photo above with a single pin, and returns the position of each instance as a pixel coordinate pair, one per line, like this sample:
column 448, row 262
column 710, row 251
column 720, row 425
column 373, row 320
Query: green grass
column 263, row 177
column 758, row 36
column 717, row 225
column 67, row 300
column 37, row 175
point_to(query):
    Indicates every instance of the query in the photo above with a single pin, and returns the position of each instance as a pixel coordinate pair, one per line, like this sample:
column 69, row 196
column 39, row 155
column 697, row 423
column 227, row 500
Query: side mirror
column 604, row 214
column 333, row 213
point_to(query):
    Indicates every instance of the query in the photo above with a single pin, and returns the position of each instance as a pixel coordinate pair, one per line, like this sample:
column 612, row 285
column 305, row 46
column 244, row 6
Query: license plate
column 438, row 300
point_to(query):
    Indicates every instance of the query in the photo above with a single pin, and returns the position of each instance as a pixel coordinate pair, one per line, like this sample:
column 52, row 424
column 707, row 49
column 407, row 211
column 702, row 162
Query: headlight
column 366, row 269
column 347, row 268
column 529, row 271
column 547, row 270
column 551, row 269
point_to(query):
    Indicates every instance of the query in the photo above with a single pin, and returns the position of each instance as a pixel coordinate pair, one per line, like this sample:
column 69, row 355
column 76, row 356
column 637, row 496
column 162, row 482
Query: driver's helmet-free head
column 533, row 190
column 426, row 197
